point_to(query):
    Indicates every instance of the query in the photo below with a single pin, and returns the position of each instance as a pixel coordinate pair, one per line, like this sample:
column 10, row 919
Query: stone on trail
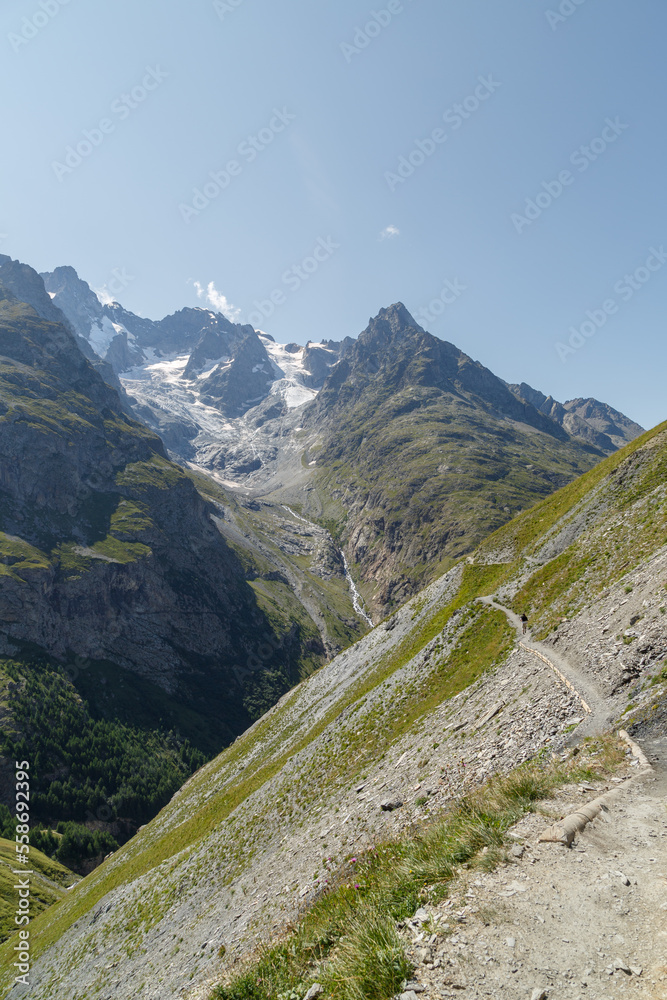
column 422, row 915
column 518, row 851
column 390, row 804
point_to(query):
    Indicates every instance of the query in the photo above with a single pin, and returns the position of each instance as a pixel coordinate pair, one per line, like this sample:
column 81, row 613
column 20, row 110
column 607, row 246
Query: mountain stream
column 357, row 601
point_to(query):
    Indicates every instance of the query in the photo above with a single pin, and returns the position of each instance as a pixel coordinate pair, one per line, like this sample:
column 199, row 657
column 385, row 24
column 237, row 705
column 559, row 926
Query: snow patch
column 160, row 385
column 220, row 365
column 100, row 337
column 290, row 373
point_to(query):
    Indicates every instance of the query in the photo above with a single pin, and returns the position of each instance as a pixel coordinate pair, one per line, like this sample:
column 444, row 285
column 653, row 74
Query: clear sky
column 303, row 109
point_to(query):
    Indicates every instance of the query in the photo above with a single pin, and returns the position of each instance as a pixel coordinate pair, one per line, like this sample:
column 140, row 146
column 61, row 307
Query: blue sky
column 304, row 110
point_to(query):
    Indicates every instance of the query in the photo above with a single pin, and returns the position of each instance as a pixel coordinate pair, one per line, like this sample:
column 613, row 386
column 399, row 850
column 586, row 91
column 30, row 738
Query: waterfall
column 357, row 602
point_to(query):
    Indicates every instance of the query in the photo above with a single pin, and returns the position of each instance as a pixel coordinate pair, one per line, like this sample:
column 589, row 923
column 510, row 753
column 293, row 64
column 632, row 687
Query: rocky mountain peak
column 74, row 297
column 586, row 419
column 27, row 285
column 397, row 318
column 392, row 324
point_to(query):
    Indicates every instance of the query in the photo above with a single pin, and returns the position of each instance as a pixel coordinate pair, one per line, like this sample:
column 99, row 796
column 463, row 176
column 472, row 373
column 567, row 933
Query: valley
column 402, row 446
column 380, row 742
column 333, row 502
column 297, row 572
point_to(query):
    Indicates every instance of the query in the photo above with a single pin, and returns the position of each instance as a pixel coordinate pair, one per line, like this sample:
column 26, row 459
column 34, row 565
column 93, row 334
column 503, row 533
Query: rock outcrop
column 107, row 550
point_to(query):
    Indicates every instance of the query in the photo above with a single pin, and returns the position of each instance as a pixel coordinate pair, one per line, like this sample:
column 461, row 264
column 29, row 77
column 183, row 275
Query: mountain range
column 406, row 449
column 406, row 773
column 125, row 615
column 194, row 518
column 254, row 596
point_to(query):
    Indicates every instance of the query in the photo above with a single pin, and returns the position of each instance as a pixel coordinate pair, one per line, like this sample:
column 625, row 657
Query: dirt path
column 596, row 706
column 563, row 924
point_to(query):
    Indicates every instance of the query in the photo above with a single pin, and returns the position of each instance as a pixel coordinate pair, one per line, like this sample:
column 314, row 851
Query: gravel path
column 601, row 716
column 585, row 922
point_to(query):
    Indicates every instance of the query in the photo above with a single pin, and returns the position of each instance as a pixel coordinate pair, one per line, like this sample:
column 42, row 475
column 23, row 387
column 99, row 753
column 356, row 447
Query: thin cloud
column 389, row 233
column 217, row 300
column 103, row 296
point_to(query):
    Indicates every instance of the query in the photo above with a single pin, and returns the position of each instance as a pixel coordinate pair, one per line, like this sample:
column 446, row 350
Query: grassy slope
column 47, row 885
column 304, row 714
column 103, row 494
column 428, row 479
column 347, row 940
column 256, row 545
column 269, row 746
column 622, row 502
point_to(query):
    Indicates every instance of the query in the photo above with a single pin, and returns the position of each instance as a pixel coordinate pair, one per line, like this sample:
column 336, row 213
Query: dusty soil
column 588, row 921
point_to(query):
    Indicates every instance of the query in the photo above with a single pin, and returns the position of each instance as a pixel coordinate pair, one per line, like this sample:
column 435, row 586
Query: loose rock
column 390, row 804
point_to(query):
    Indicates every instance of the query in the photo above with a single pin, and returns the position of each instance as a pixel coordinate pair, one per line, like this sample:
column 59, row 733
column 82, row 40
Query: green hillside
column 324, row 736
column 420, row 453
column 49, row 882
column 133, row 646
